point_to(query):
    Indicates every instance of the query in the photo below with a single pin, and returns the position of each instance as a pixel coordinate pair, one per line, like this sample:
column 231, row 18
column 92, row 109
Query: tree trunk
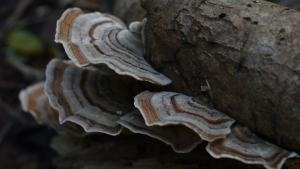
column 247, row 51
column 129, row 10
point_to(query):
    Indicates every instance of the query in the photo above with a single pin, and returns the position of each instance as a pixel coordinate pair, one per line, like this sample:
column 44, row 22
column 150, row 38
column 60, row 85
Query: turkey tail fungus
column 230, row 46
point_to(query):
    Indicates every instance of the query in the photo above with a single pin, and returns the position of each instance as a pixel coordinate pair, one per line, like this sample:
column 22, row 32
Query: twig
column 28, row 72
column 9, row 84
column 14, row 113
column 20, row 9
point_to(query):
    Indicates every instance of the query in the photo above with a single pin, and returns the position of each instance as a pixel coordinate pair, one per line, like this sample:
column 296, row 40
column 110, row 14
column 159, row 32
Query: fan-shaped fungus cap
column 97, row 38
column 165, row 108
column 245, row 146
column 34, row 101
column 89, row 97
column 181, row 139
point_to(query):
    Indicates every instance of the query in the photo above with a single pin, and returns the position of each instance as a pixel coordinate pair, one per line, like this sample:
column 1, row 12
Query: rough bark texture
column 129, row 10
column 248, row 52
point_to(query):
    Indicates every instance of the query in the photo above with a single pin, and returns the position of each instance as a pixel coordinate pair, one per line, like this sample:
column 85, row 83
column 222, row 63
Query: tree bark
column 129, row 10
column 247, row 51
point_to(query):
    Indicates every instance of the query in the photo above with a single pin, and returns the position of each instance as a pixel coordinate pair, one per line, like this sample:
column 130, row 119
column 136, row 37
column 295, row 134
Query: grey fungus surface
column 245, row 146
column 97, row 38
column 165, row 108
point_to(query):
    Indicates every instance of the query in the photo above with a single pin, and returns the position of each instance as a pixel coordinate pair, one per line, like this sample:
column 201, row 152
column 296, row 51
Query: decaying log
column 248, row 52
column 129, row 10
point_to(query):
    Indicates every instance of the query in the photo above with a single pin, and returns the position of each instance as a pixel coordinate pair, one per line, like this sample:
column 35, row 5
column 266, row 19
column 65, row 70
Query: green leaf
column 24, row 42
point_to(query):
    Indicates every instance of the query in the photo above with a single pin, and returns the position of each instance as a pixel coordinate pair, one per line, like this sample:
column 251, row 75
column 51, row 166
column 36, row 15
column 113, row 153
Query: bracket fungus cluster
column 91, row 91
column 97, row 38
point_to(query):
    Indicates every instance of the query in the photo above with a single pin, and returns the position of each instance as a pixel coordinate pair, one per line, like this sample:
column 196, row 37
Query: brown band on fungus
column 65, row 22
column 77, row 54
column 53, row 89
column 143, row 102
column 165, row 108
column 64, row 34
column 34, row 101
column 204, row 135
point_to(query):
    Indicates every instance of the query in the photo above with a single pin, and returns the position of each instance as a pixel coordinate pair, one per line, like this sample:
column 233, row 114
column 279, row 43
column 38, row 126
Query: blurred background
column 27, row 30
